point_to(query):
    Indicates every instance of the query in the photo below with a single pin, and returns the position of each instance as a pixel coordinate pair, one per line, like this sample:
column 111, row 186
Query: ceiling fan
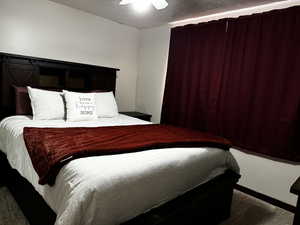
column 158, row 4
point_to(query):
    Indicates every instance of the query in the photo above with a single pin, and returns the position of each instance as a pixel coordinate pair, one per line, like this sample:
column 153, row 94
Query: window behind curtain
column 239, row 78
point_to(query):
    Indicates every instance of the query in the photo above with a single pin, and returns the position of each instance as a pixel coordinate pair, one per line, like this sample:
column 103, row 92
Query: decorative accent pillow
column 46, row 105
column 106, row 105
column 23, row 106
column 80, row 106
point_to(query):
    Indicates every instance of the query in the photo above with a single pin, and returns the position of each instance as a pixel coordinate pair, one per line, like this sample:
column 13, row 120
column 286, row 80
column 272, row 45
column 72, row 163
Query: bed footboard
column 209, row 203
column 33, row 206
column 4, row 169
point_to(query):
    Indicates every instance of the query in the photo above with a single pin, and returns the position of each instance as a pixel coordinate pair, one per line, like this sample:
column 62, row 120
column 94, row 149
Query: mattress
column 111, row 189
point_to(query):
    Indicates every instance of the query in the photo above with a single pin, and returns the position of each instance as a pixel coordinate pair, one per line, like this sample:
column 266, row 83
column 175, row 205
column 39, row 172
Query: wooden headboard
column 49, row 74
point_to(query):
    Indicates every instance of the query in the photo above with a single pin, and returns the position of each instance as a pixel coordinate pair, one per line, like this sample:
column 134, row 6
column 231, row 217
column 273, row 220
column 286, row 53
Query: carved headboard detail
column 46, row 73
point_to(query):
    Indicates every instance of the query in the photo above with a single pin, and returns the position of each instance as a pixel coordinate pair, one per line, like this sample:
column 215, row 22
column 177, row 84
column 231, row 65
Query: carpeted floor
column 10, row 214
column 246, row 210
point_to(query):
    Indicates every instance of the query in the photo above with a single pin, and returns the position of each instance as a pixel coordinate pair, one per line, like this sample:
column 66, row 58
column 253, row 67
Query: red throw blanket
column 51, row 148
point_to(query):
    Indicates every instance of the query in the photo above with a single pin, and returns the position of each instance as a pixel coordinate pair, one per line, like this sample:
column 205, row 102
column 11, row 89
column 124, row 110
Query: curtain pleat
column 189, row 100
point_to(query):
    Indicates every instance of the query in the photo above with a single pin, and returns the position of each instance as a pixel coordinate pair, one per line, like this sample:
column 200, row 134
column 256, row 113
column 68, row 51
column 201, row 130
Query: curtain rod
column 237, row 12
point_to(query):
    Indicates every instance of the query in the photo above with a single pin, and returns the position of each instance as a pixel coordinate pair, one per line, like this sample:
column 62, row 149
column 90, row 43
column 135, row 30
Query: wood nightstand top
column 134, row 113
column 295, row 189
column 139, row 115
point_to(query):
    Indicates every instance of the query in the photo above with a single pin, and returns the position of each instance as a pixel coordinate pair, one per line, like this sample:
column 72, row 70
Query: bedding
column 51, row 148
column 46, row 105
column 111, row 189
column 106, row 105
column 23, row 106
column 80, row 106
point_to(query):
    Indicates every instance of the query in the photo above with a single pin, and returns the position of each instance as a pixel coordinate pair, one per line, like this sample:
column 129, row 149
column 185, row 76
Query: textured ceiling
column 177, row 9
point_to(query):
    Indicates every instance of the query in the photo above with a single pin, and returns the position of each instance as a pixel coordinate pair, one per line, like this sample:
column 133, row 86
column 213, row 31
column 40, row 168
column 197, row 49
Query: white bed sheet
column 111, row 189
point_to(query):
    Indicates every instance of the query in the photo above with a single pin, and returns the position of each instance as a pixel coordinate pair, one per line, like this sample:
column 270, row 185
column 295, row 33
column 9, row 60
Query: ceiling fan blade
column 125, row 2
column 159, row 4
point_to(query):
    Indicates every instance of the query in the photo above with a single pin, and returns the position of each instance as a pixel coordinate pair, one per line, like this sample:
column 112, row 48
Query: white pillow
column 106, row 104
column 80, row 106
column 46, row 105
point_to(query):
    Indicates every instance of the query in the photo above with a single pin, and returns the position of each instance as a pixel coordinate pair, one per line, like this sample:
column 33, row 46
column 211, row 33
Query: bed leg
column 4, row 169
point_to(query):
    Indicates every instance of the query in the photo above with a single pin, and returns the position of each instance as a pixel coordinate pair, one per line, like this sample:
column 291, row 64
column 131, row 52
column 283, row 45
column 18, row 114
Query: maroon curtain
column 193, row 77
column 239, row 78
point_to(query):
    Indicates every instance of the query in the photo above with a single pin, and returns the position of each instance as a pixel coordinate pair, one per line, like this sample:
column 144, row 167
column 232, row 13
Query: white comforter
column 111, row 189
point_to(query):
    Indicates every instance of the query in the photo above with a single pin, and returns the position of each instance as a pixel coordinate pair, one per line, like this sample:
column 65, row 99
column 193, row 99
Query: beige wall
column 260, row 174
column 153, row 57
column 46, row 29
column 267, row 176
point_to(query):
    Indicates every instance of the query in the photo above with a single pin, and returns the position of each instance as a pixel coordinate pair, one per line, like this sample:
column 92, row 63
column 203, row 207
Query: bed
column 148, row 187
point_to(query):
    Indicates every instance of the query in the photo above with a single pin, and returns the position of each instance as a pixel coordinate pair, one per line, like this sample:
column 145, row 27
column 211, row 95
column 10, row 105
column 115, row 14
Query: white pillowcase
column 46, row 105
column 80, row 106
column 106, row 104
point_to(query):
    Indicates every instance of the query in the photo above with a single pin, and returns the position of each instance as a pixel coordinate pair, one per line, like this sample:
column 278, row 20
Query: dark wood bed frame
column 207, row 204
column 25, row 71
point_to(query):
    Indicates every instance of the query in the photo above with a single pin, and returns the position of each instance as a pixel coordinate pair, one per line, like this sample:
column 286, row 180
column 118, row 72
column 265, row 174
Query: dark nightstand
column 295, row 189
column 138, row 115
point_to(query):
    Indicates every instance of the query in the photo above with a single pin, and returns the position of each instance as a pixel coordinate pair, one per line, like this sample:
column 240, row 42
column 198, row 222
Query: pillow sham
column 106, row 105
column 80, row 106
column 46, row 105
column 23, row 106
